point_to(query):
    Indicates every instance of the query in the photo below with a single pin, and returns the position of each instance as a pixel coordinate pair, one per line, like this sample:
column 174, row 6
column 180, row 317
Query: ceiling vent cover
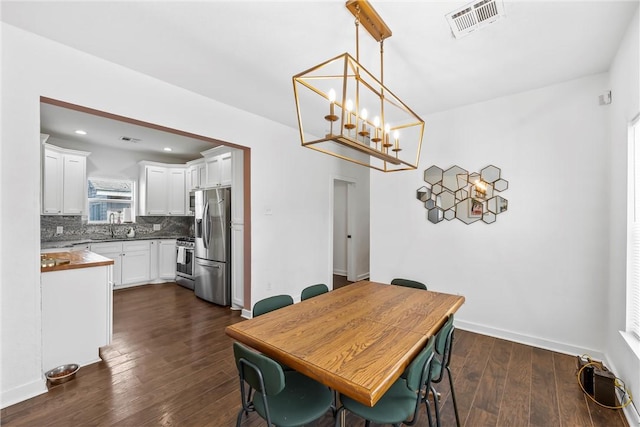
column 474, row 16
column 130, row 139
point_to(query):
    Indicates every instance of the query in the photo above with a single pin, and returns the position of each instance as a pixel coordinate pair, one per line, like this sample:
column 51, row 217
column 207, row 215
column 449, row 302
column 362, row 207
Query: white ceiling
column 244, row 53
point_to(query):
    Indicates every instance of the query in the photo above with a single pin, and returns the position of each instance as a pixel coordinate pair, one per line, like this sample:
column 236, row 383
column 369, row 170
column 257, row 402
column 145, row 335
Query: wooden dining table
column 356, row 340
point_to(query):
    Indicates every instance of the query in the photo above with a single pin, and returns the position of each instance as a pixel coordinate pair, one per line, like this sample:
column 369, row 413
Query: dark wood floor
column 171, row 364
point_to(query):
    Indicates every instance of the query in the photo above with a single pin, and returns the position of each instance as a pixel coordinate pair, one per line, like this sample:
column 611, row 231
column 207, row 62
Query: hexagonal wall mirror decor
column 470, row 197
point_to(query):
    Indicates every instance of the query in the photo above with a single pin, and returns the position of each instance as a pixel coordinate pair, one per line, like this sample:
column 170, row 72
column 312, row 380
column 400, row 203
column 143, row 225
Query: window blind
column 633, row 281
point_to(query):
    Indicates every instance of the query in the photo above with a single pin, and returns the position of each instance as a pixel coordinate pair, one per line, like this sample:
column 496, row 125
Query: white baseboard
column 24, row 392
column 247, row 314
column 362, row 276
column 630, row 411
column 528, row 340
column 359, row 277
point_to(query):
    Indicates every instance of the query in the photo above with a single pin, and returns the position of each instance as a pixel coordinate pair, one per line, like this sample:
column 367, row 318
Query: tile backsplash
column 75, row 228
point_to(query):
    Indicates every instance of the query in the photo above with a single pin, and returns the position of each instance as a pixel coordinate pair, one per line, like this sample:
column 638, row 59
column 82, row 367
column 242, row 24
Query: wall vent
column 129, row 139
column 474, row 16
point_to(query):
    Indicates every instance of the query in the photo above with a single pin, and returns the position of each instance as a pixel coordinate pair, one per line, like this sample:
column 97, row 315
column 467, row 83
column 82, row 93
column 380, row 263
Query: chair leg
column 367, row 423
column 453, row 397
column 426, row 404
column 239, row 419
column 338, row 413
column 334, row 407
column 436, row 405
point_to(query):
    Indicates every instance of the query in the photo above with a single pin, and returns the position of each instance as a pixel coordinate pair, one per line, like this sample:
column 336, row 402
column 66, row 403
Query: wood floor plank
column 516, row 401
column 468, row 382
column 544, row 398
column 171, row 364
column 573, row 407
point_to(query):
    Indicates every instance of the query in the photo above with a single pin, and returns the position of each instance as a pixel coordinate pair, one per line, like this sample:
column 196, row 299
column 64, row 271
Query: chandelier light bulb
column 387, row 130
column 349, row 108
column 332, row 96
column 376, row 122
column 364, row 132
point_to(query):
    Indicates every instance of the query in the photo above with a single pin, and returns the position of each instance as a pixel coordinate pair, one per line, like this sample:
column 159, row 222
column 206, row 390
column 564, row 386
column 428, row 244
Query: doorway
column 344, row 233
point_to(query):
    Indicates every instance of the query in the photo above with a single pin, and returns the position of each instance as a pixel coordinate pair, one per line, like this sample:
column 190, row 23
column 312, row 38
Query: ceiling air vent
column 129, row 139
column 474, row 16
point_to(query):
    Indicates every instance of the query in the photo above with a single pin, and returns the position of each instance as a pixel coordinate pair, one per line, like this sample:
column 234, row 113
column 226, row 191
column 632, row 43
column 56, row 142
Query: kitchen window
column 110, row 200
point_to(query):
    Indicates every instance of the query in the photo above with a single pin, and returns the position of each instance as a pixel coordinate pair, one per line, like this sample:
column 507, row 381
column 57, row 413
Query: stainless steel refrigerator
column 213, row 245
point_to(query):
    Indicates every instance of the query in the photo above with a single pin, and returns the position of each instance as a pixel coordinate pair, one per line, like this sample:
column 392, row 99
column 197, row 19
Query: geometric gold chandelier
column 347, row 112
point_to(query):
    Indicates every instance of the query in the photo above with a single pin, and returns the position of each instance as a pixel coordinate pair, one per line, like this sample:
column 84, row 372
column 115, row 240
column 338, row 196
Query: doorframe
column 351, row 243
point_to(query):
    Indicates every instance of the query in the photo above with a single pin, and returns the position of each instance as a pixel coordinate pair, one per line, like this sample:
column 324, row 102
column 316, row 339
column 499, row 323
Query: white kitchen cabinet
column 112, row 251
column 162, row 189
column 135, row 262
column 237, row 266
column 64, row 181
column 177, row 201
column 74, row 332
column 219, row 170
column 167, row 259
column 237, row 231
column 155, row 200
column 74, row 184
column 153, row 260
column 140, row 262
column 196, row 175
column 218, row 165
column 132, row 262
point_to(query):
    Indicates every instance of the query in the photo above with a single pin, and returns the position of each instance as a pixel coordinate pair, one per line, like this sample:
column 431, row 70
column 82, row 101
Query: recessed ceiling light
column 167, row 149
column 81, row 132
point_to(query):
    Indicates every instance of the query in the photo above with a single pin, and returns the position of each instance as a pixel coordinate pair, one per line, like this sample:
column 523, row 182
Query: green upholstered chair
column 400, row 404
column 443, row 348
column 408, row 283
column 272, row 303
column 281, row 398
column 313, row 291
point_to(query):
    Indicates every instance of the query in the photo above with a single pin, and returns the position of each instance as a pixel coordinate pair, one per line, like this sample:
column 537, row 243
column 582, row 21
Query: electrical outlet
column 156, row 227
column 268, row 286
column 59, row 229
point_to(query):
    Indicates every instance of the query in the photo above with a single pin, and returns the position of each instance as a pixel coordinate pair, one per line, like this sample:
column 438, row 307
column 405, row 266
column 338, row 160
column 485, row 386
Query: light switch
column 156, row 227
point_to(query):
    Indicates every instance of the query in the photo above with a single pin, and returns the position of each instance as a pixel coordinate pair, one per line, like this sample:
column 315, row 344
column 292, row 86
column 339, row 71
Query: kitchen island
column 76, row 307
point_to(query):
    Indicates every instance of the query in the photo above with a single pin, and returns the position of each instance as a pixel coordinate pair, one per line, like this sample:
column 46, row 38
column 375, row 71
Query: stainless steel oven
column 185, row 262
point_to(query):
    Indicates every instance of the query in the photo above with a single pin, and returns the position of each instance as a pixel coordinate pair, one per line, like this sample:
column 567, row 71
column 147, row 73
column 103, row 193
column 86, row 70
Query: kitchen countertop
column 69, row 243
column 76, row 259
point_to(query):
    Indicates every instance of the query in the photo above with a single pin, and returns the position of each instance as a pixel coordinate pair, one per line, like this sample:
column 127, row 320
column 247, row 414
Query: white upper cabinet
column 64, row 181
column 162, row 189
column 218, row 165
column 176, row 204
column 196, row 174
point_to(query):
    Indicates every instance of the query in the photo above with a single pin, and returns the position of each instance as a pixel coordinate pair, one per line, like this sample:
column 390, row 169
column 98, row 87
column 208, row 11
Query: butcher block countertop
column 72, row 260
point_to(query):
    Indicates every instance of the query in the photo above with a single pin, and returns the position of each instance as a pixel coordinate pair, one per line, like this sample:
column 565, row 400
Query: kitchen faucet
column 111, row 228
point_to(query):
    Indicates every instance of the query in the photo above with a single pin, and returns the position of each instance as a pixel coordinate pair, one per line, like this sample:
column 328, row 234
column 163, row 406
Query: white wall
column 290, row 247
column 539, row 273
column 625, row 88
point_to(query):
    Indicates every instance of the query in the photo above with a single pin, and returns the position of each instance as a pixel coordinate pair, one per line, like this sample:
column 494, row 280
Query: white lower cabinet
column 167, row 259
column 135, row 262
column 140, row 262
column 114, row 252
column 131, row 261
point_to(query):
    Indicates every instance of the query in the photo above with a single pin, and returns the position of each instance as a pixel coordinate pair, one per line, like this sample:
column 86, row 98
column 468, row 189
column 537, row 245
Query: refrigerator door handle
column 206, row 230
